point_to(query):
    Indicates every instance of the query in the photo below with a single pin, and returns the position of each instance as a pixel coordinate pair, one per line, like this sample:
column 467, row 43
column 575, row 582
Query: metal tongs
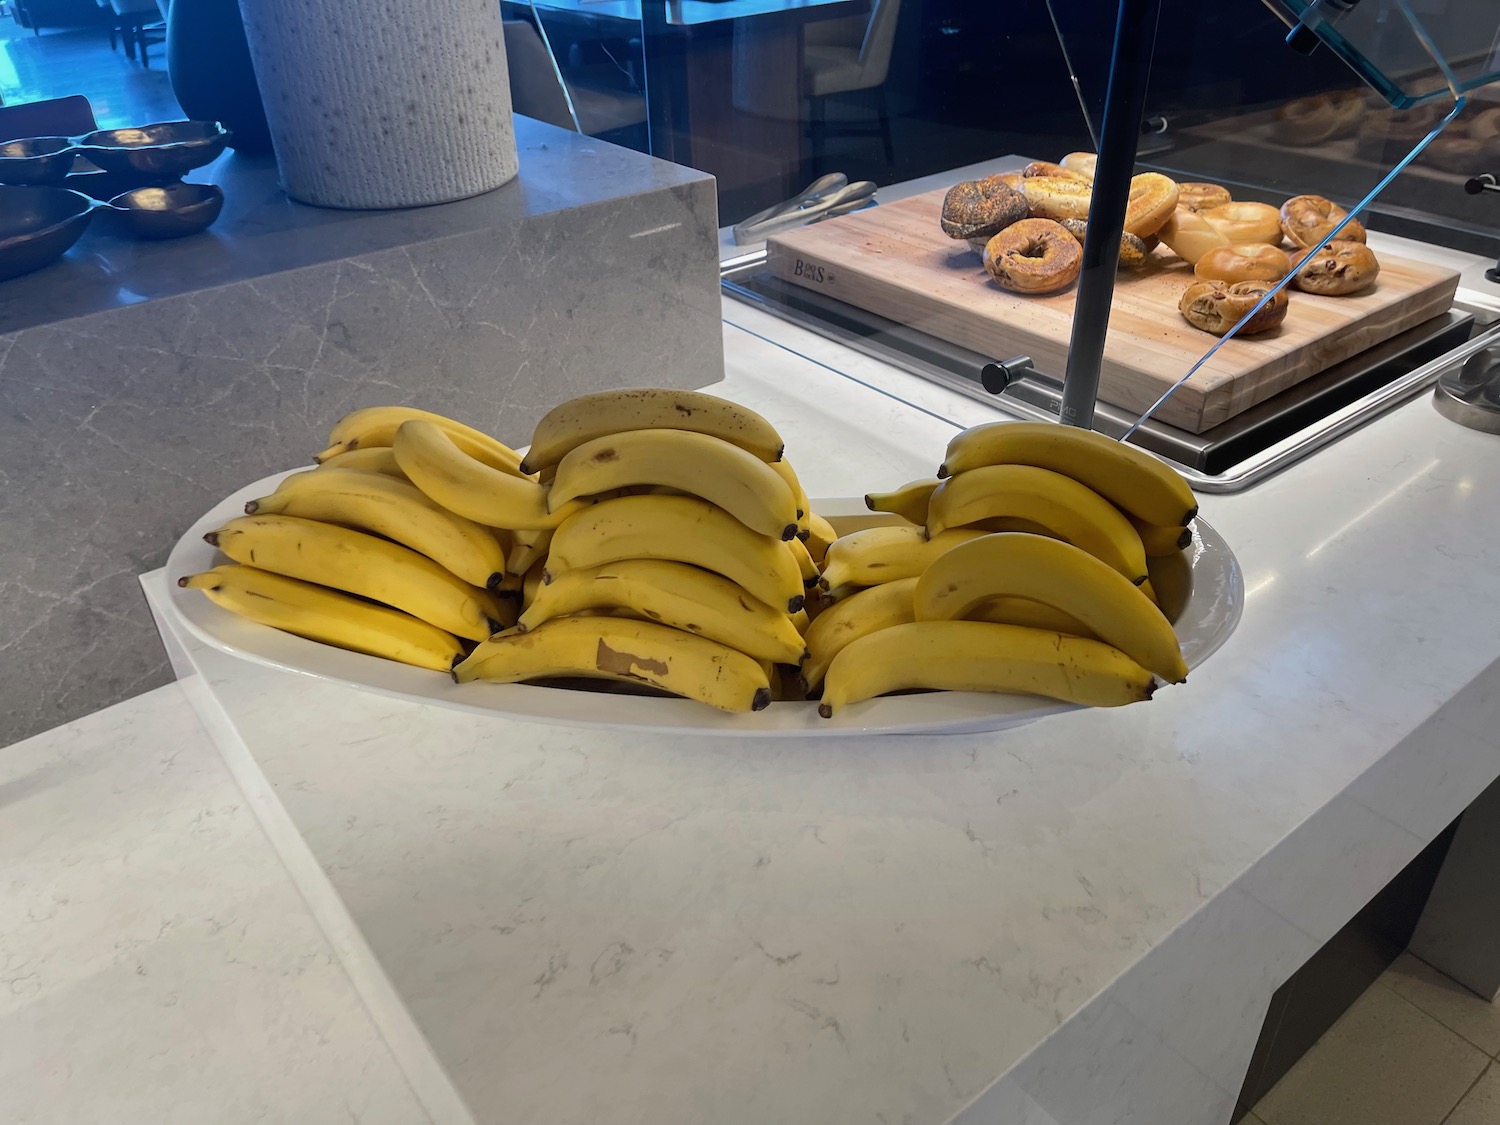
column 824, row 198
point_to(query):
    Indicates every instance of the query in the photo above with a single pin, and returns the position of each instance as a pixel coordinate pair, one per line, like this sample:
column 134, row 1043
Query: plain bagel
column 1248, row 261
column 1246, row 222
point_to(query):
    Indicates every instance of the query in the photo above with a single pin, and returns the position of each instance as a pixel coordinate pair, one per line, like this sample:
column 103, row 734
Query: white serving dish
column 1210, row 613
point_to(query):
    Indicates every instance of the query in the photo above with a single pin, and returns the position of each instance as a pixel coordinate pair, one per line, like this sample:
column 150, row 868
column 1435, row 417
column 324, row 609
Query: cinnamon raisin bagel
column 1033, row 256
column 1338, row 269
column 1307, row 218
column 1216, row 306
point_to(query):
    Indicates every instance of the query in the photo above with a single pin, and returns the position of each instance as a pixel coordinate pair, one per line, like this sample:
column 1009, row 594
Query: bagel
column 1056, row 197
column 1307, row 218
column 981, row 208
column 1189, row 235
column 1039, row 168
column 1249, row 261
column 1349, row 108
column 1200, row 197
column 1216, row 307
column 1133, row 251
column 1245, row 222
column 1153, row 198
column 1463, row 155
column 1033, row 256
column 1081, row 162
column 1338, row 269
column 1485, row 127
column 1307, row 121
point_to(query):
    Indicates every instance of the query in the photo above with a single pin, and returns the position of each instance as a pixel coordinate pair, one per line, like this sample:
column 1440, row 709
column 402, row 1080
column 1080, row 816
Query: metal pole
column 1124, row 107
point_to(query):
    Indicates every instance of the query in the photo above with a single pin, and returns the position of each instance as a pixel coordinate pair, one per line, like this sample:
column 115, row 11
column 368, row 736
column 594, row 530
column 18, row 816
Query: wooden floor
column 62, row 62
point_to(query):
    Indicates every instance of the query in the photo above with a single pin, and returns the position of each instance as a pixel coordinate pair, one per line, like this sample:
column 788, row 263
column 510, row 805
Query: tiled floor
column 58, row 63
column 1416, row 1049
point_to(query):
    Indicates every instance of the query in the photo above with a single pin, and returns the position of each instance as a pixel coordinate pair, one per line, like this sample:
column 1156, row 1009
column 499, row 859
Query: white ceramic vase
column 400, row 103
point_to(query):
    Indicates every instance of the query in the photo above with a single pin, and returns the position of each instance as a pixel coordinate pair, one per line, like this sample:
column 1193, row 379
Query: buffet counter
column 1077, row 920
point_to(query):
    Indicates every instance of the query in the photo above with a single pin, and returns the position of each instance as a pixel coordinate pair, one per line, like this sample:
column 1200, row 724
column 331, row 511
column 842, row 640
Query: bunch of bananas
column 659, row 538
column 1021, row 567
column 650, row 536
column 683, row 558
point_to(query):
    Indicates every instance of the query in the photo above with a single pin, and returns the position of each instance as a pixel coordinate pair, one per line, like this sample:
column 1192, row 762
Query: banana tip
column 826, row 710
column 789, row 531
column 870, row 502
column 796, row 603
column 1192, row 514
column 762, row 699
column 942, row 473
column 212, row 538
column 251, row 507
column 182, row 583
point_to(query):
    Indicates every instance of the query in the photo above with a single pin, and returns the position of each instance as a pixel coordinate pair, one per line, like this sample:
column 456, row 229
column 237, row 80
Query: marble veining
column 118, row 429
column 156, row 963
column 1076, row 921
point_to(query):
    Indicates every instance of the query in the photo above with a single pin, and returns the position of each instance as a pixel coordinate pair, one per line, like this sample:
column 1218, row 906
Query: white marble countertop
column 1079, row 920
column 157, row 964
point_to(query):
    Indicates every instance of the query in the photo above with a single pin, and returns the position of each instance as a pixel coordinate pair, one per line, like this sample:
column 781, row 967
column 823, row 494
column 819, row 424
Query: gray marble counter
column 140, row 383
column 263, row 232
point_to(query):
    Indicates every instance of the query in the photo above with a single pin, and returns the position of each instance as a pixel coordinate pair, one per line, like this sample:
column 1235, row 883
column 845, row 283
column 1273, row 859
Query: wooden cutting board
column 894, row 261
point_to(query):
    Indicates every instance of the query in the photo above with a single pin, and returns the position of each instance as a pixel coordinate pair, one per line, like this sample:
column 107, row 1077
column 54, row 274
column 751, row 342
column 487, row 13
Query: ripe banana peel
column 885, row 554
column 693, row 463
column 1130, row 478
column 685, row 597
column 679, row 529
column 1070, row 510
column 457, row 481
column 325, row 615
column 1057, row 574
column 909, row 501
column 393, row 508
column 623, row 649
column 376, row 426
column 981, row 656
column 362, row 564
column 582, row 419
column 844, row 622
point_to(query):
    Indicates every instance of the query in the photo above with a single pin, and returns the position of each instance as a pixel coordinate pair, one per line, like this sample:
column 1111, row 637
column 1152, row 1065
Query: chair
column 57, row 117
column 535, row 90
column 833, row 66
column 138, row 23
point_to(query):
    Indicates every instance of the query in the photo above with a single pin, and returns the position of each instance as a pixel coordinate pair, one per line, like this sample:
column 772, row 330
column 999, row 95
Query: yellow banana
column 377, row 426
column 697, row 464
column 1034, row 615
column 1127, row 477
column 532, row 581
column 392, row 508
column 320, row 614
column 581, row 419
column 981, row 656
column 885, row 554
column 820, row 536
column 805, row 565
column 530, row 548
column 679, row 529
column 456, row 481
column 623, row 649
column 844, row 622
column 1012, row 565
column 375, row 459
column 909, row 501
column 800, row 621
column 685, row 597
column 1162, row 542
column 784, row 470
column 1070, row 510
column 365, row 565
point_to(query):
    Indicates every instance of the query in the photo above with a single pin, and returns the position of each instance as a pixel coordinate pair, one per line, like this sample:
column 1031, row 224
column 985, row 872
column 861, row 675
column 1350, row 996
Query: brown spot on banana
column 624, row 664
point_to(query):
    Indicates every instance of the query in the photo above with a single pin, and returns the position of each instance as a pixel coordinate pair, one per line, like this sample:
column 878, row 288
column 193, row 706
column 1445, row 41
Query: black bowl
column 36, row 160
column 164, row 151
column 168, row 212
column 38, row 225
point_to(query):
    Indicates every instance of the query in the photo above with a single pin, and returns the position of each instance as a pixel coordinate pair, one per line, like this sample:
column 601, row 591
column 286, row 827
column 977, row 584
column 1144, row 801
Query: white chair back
column 880, row 40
